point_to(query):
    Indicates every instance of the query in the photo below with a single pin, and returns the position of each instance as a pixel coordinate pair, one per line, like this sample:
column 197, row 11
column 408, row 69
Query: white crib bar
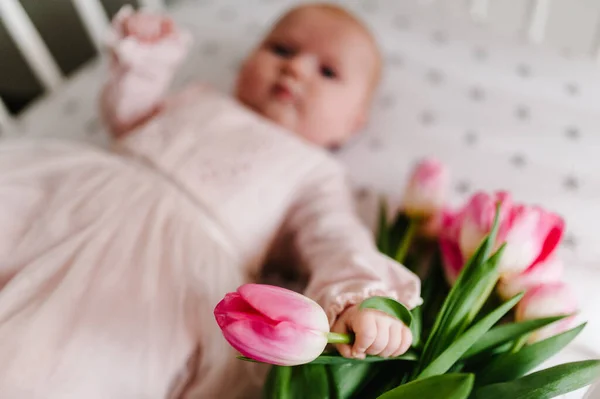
column 479, row 9
column 152, row 4
column 5, row 118
column 29, row 42
column 94, row 19
column 596, row 50
column 538, row 20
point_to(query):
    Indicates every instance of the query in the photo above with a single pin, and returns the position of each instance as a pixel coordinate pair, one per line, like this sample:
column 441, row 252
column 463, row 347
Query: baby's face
column 313, row 74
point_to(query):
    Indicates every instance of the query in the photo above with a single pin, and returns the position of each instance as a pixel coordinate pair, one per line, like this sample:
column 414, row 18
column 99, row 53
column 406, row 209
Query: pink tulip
column 548, row 300
column 432, row 227
column 478, row 217
column 426, row 192
column 273, row 325
column 546, row 272
column 448, row 241
column 531, row 234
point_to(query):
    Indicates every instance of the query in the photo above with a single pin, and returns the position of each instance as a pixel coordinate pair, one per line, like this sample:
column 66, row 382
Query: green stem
column 520, row 343
column 407, row 239
column 337, row 338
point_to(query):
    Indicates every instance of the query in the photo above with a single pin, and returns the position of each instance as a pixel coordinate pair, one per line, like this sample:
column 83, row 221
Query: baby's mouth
column 283, row 93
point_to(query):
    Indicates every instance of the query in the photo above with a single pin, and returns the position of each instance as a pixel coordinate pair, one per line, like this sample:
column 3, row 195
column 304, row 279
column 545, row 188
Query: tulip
column 546, row 272
column 531, row 239
column 478, row 217
column 273, row 325
column 432, row 227
column 426, row 192
column 531, row 234
column 547, row 300
column 448, row 241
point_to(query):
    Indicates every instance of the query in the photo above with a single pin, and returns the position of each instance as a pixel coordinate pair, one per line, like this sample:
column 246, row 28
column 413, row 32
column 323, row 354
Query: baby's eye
column 328, row 72
column 282, row 50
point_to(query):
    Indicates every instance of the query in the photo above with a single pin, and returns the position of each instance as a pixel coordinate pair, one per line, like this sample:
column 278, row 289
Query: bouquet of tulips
column 494, row 309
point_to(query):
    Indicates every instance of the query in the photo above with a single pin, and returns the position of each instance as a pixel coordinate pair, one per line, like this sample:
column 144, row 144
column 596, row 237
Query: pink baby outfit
column 111, row 262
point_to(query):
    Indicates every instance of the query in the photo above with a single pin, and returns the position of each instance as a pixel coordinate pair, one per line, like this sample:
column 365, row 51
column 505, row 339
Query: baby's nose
column 300, row 66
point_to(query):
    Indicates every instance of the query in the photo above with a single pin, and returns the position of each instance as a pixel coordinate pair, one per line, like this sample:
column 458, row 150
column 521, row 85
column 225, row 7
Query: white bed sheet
column 502, row 114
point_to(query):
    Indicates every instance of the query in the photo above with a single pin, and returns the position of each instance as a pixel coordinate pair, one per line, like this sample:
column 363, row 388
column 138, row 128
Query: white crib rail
column 94, row 19
column 538, row 19
column 30, row 43
column 479, row 9
column 5, row 119
column 35, row 52
column 152, row 4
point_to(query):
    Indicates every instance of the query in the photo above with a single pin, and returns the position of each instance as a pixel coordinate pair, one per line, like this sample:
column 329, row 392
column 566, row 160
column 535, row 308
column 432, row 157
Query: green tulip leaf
column 383, row 230
column 311, row 381
column 545, row 384
column 398, row 230
column 277, row 385
column 510, row 366
column 470, row 291
column 447, row 386
column 416, row 326
column 500, row 335
column 455, row 351
column 350, row 378
column 389, row 306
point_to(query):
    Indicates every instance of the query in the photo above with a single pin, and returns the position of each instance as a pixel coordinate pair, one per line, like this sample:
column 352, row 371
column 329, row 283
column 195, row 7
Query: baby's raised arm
column 145, row 50
column 345, row 266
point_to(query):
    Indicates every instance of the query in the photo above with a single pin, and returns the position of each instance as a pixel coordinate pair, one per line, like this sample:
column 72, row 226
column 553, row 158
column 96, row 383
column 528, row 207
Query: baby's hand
column 147, row 27
column 376, row 333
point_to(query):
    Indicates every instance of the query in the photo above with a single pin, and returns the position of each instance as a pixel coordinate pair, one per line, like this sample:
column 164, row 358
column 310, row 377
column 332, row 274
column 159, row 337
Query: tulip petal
column 452, row 258
column 523, row 242
column 479, row 214
column 553, row 227
column 231, row 308
column 280, row 304
column 533, row 237
column 279, row 343
column 426, row 191
column 548, row 300
column 549, row 271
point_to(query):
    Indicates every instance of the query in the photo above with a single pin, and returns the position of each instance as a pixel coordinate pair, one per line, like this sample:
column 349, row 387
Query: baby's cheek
column 248, row 85
column 257, row 77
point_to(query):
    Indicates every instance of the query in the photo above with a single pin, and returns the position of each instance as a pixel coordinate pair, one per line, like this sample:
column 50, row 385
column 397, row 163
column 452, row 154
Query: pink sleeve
column 344, row 264
column 139, row 75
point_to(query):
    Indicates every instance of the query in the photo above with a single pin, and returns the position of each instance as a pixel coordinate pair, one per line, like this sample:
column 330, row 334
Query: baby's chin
column 283, row 115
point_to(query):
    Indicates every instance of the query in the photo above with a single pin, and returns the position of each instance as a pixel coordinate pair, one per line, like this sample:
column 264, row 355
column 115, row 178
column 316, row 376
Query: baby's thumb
column 344, row 349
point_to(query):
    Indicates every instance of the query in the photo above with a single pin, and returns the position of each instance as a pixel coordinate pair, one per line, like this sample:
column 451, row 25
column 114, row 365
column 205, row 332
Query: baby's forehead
column 327, row 18
column 325, row 26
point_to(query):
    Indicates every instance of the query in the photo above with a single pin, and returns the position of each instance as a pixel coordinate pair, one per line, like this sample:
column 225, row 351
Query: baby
column 112, row 262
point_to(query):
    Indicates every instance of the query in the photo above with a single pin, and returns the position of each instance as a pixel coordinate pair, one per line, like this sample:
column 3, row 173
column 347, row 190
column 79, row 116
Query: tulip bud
column 453, row 261
column 273, row 325
column 547, row 300
column 478, row 218
column 426, row 192
column 549, row 271
column 533, row 235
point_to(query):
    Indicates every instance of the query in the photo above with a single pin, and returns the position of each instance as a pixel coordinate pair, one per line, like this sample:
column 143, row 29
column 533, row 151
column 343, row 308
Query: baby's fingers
column 383, row 336
column 407, row 339
column 365, row 330
column 395, row 340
